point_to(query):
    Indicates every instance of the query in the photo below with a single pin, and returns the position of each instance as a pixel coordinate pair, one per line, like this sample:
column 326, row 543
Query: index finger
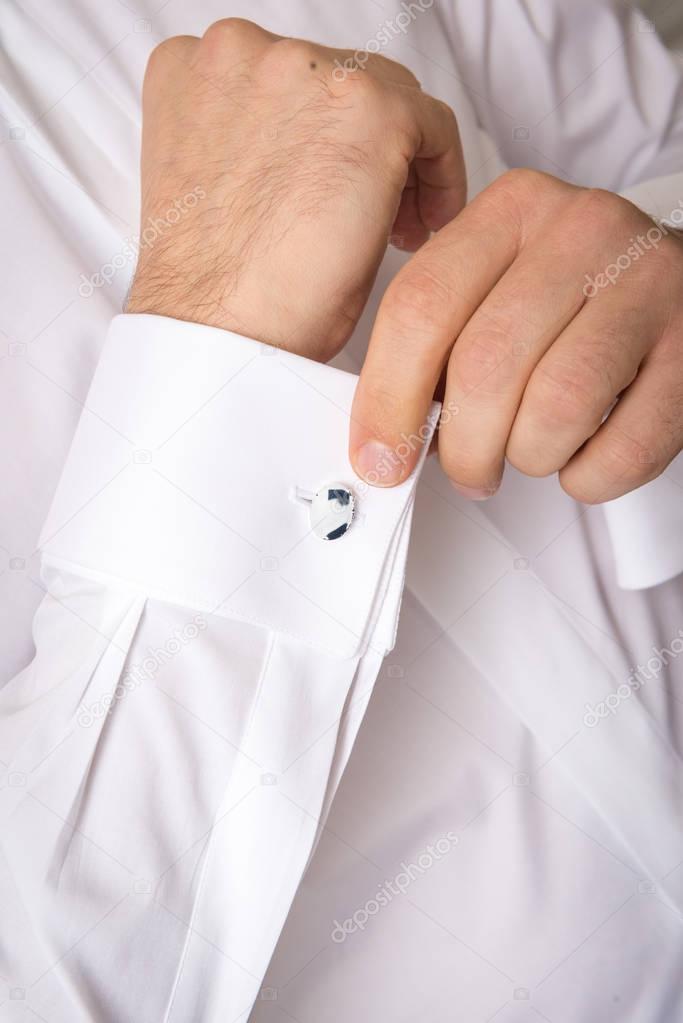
column 422, row 313
column 438, row 161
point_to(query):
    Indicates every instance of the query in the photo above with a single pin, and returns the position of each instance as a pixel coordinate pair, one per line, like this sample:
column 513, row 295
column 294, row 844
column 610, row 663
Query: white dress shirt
column 221, row 799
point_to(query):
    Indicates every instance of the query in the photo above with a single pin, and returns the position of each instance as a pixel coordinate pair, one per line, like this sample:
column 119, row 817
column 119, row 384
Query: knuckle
column 523, row 196
column 625, row 460
column 481, row 360
column 285, row 57
column 522, row 177
column 466, row 466
column 227, row 30
column 391, row 70
column 522, row 184
column 362, row 87
column 226, row 37
column 602, row 210
column 564, row 393
column 450, row 119
column 161, row 56
column 445, row 108
column 577, row 487
column 360, row 77
column 448, row 122
column 293, row 50
column 396, row 69
column 529, row 453
column 511, row 196
column 531, row 459
column 420, row 300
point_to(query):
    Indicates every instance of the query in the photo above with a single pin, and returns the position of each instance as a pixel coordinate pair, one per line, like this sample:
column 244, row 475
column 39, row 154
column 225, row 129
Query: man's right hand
column 306, row 170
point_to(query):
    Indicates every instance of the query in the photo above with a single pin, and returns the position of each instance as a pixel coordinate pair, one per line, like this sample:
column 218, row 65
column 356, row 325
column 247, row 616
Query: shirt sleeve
column 646, row 526
column 585, row 90
column 204, row 659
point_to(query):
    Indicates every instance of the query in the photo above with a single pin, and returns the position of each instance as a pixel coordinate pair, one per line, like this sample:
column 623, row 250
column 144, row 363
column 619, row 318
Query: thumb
column 402, row 368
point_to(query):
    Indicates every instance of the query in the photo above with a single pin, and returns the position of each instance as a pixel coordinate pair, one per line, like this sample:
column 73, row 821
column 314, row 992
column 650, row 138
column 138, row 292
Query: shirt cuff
column 182, row 484
column 646, row 526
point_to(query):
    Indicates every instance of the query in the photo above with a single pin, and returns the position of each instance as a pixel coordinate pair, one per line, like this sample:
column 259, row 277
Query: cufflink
column 331, row 509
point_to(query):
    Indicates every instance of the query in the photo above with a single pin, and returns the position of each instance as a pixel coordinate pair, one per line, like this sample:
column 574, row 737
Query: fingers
column 435, row 188
column 496, row 354
column 424, row 309
column 578, row 380
column 534, row 368
column 537, row 367
column 408, row 232
column 639, row 438
column 438, row 187
column 439, row 162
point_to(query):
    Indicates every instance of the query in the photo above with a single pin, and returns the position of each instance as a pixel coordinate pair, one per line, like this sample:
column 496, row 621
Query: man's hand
column 307, row 169
column 538, row 308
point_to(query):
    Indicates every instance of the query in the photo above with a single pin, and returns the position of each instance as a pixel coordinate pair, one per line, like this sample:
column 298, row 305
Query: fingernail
column 379, row 465
column 474, row 493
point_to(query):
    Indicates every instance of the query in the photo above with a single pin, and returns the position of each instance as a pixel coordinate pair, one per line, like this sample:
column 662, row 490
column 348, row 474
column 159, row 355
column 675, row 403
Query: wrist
column 259, row 314
column 168, row 295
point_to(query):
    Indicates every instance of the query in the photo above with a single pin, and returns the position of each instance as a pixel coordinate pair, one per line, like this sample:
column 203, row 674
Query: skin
column 308, row 174
column 495, row 307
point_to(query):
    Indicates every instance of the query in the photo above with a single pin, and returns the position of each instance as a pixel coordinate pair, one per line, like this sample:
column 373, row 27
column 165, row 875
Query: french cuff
column 646, row 526
column 188, row 481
